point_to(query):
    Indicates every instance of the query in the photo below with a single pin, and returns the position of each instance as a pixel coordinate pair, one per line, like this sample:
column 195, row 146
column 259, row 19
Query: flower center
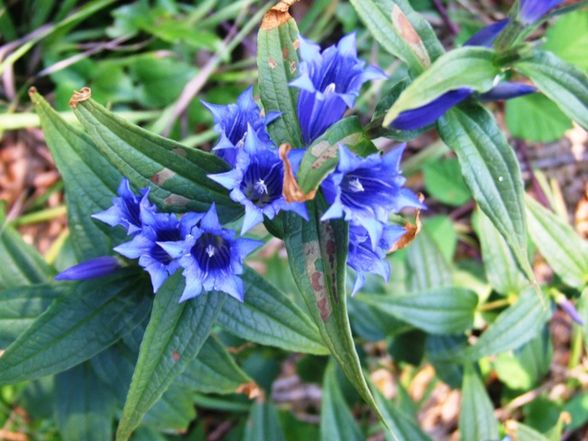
column 212, row 252
column 330, row 89
column 262, row 183
column 165, row 235
column 356, row 186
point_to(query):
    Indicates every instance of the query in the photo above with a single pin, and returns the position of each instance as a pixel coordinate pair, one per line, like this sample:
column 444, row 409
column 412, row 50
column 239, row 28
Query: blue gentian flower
column 364, row 258
column 486, row 36
column 329, row 84
column 507, row 90
column 232, row 120
column 157, row 227
column 125, row 210
column 256, row 182
column 212, row 257
column 90, row 269
column 531, row 11
column 366, row 190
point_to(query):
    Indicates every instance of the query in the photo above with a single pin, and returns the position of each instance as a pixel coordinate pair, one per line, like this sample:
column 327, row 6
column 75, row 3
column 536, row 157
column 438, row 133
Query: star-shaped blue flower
column 329, row 84
column 365, row 259
column 232, row 121
column 126, row 208
column 212, row 257
column 366, row 191
column 256, row 182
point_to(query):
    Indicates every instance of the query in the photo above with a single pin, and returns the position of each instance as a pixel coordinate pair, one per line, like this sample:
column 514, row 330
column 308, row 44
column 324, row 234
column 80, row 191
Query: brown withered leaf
column 291, row 190
column 411, row 231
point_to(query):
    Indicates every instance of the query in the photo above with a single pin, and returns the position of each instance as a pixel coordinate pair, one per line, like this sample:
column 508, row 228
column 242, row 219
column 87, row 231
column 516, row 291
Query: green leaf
column 90, row 181
column 500, row 265
column 476, row 420
column 444, row 182
column 85, row 320
column 174, row 411
column 577, row 407
column 571, row 47
column 426, row 265
column 263, row 424
column 536, row 118
column 321, row 158
column 337, row 422
column 565, row 251
column 563, row 83
column 491, row 170
column 269, row 317
column 522, row 432
column 277, row 63
column 84, row 408
column 465, row 67
column 173, row 338
column 317, row 254
column 176, row 174
column 213, row 371
column 21, row 263
column 20, row 307
column 437, row 311
column 514, row 327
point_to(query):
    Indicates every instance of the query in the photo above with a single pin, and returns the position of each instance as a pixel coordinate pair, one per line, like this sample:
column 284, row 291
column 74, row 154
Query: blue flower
column 329, row 84
column 157, row 227
column 365, row 191
column 256, row 182
column 232, row 120
column 212, row 257
column 90, row 269
column 364, row 258
column 125, row 210
column 485, row 37
column 531, row 11
column 507, row 90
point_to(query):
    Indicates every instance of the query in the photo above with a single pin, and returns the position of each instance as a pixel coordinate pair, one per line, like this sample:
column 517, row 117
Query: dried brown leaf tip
column 84, row 94
column 410, row 35
column 291, row 190
column 412, row 230
column 251, row 389
column 277, row 15
column 32, row 91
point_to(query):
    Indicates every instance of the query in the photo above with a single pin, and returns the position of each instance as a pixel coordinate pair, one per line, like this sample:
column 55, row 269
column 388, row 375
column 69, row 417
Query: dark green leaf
column 173, row 338
column 426, row 265
column 563, row 83
column 476, row 420
column 443, row 181
column 263, row 424
column 85, row 320
column 269, row 317
column 173, row 411
column 437, row 311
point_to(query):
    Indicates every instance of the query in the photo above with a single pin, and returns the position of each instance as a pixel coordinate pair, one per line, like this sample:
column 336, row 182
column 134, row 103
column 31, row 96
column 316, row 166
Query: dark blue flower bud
column 90, row 269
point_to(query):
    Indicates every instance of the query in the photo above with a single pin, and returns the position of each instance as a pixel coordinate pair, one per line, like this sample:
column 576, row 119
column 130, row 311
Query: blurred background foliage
column 153, row 61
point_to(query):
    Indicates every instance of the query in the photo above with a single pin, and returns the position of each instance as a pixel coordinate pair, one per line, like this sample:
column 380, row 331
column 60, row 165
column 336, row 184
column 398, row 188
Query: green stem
column 40, row 216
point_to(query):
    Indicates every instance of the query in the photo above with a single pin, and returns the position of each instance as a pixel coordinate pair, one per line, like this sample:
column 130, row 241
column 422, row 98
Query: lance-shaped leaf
column 317, row 254
column 173, row 338
column 21, row 263
column 426, row 266
column 214, row 371
column 263, row 424
column 84, row 321
column 173, row 411
column 466, row 67
column 176, row 174
column 565, row 251
column 514, row 327
column 269, row 317
column 20, row 307
column 322, row 156
column 563, row 83
column 337, row 422
column 437, row 311
column 277, row 62
column 491, row 171
column 90, row 181
column 476, row 420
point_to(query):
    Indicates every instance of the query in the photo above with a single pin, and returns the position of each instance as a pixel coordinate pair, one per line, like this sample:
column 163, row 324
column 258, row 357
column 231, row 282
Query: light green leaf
column 263, row 424
column 277, row 62
column 173, row 338
column 522, row 432
column 570, row 46
column 565, row 251
column 176, row 174
column 563, row 83
column 337, row 422
column 437, row 311
column 443, row 181
column 269, row 317
column 85, row 320
column 465, row 67
column 491, row 170
column 476, row 420
column 426, row 265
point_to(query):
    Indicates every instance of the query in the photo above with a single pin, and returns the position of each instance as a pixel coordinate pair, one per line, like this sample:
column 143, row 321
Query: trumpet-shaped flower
column 126, row 208
column 531, row 11
column 365, row 191
column 256, row 182
column 212, row 257
column 232, row 121
column 329, row 84
column 90, row 269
